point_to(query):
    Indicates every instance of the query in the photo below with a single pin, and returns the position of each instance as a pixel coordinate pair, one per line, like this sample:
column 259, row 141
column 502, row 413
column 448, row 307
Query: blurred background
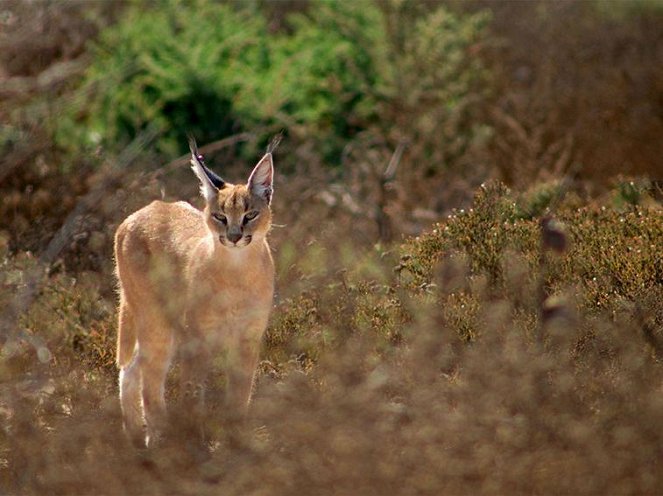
column 394, row 115
column 456, row 93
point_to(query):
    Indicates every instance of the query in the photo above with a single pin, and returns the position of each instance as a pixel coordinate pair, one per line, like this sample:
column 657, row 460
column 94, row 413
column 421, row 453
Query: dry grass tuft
column 447, row 376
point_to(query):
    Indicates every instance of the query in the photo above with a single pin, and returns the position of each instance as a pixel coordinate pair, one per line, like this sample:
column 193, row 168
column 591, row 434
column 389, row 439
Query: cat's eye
column 220, row 218
column 250, row 216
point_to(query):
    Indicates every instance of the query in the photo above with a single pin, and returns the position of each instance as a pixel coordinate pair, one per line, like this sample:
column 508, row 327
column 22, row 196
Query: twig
column 53, row 75
column 207, row 149
column 648, row 332
column 382, row 219
column 390, row 172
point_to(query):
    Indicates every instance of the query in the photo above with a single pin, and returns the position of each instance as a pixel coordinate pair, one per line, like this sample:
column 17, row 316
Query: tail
column 126, row 328
column 126, row 337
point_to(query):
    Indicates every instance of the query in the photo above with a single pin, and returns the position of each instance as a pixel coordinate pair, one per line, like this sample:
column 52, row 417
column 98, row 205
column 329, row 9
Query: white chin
column 240, row 244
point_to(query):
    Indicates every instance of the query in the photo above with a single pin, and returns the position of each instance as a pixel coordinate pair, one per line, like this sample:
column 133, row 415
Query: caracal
column 196, row 285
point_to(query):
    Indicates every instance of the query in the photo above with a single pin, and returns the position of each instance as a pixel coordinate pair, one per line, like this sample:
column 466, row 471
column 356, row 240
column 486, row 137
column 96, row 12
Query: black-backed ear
column 261, row 179
column 210, row 183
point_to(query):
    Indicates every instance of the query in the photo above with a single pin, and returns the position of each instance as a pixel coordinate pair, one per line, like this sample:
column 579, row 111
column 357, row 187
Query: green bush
column 432, row 82
column 613, row 259
column 341, row 69
column 399, row 71
column 325, row 71
column 184, row 67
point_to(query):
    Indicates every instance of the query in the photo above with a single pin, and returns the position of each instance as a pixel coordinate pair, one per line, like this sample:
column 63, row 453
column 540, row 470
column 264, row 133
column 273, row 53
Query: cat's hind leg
column 155, row 357
column 130, row 376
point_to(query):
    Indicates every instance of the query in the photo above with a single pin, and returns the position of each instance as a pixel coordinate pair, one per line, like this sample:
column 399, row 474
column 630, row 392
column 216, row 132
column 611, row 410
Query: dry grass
column 461, row 361
column 427, row 379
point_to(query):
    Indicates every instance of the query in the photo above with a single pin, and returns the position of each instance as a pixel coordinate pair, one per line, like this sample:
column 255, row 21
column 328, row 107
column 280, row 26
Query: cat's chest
column 228, row 270
column 232, row 290
column 247, row 281
column 231, row 312
column 231, row 298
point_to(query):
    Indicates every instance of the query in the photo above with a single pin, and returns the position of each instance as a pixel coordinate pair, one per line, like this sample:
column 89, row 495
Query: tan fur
column 189, row 287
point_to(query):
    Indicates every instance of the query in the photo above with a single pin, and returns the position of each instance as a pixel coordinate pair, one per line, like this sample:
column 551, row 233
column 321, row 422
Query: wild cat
column 198, row 284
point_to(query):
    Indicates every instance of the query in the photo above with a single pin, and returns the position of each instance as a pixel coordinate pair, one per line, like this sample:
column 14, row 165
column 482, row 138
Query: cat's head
column 237, row 215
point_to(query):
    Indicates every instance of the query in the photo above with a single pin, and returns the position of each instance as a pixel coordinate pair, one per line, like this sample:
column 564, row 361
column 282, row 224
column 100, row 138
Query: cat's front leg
column 195, row 364
column 241, row 369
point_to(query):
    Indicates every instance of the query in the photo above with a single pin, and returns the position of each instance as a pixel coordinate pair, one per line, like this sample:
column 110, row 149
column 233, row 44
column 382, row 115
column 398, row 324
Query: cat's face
column 237, row 215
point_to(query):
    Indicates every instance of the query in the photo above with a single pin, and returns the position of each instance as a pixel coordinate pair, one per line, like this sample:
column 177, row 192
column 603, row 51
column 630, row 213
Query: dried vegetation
column 514, row 346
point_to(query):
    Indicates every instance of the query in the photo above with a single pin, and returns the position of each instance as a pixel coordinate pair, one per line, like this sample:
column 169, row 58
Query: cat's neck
column 235, row 255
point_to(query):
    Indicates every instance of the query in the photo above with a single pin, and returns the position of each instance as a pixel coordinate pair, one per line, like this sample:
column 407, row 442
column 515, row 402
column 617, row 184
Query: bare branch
column 390, row 172
column 207, row 149
column 53, row 75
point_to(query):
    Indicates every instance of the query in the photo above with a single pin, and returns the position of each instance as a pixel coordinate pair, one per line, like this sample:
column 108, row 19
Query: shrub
column 432, row 80
column 398, row 71
column 324, row 72
column 185, row 66
column 76, row 323
column 614, row 255
column 341, row 69
column 429, row 378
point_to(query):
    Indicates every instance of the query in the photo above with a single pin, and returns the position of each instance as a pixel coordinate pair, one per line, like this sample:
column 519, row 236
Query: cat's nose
column 234, row 237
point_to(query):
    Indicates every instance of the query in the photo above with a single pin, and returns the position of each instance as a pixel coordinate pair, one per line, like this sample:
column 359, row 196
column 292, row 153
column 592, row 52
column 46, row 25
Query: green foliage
column 431, row 81
column 614, row 256
column 483, row 232
column 538, row 198
column 184, row 66
column 325, row 70
column 212, row 69
column 399, row 71
column 629, row 193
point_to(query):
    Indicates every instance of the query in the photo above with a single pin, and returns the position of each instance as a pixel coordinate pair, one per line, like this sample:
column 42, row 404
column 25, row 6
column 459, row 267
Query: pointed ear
column 261, row 179
column 210, row 183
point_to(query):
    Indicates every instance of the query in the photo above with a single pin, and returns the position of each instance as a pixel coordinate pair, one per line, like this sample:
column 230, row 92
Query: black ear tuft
column 196, row 157
column 274, row 144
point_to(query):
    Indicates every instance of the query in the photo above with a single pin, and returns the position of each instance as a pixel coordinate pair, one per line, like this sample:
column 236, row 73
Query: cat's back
column 161, row 228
